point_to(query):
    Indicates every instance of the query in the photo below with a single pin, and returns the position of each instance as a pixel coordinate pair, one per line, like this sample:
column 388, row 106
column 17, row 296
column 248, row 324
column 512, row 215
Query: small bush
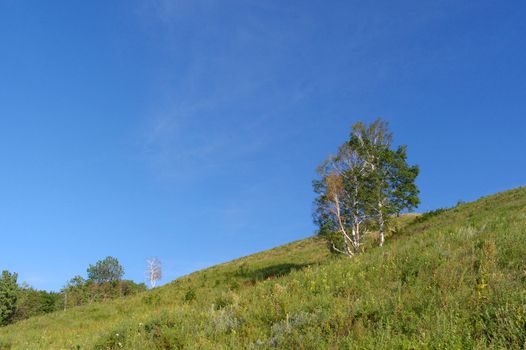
column 112, row 341
column 223, row 301
column 190, row 295
column 153, row 299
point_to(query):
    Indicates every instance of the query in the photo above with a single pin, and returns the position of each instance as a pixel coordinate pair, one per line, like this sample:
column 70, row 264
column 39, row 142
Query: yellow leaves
column 334, row 184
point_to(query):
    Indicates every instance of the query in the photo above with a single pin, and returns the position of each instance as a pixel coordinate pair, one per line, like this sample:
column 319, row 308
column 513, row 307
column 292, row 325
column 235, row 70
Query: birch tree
column 340, row 208
column 153, row 271
column 362, row 187
column 391, row 179
column 372, row 144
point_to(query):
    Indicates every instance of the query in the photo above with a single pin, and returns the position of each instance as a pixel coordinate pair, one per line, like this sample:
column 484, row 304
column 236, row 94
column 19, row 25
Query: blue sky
column 190, row 130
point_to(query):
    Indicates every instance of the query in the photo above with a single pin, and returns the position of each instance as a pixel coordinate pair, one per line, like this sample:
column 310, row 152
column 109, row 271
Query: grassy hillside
column 448, row 280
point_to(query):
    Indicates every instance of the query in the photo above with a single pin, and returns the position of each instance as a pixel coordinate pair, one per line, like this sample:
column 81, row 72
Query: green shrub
column 152, row 299
column 113, row 340
column 190, row 295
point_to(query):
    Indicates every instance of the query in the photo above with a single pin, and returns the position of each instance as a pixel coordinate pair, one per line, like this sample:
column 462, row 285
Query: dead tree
column 153, row 271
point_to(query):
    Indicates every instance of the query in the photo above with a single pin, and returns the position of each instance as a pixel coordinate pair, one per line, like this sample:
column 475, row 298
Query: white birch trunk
column 381, row 224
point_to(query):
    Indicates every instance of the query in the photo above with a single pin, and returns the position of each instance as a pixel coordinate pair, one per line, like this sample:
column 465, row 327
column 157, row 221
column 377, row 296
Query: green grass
column 452, row 280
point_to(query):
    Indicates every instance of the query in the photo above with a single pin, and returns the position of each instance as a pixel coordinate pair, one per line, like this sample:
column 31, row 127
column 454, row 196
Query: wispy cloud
column 187, row 141
column 218, row 96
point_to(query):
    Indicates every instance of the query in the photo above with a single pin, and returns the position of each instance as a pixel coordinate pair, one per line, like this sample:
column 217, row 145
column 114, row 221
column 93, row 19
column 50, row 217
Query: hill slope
column 456, row 279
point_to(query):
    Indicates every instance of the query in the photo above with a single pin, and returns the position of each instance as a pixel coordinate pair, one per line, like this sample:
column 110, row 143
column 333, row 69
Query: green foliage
column 106, row 270
column 153, row 299
column 190, row 295
column 362, row 188
column 21, row 302
column 390, row 180
column 454, row 281
column 8, row 296
column 31, row 302
column 79, row 291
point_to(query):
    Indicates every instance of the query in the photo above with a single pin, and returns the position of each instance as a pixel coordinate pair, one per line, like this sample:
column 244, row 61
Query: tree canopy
column 8, row 296
column 106, row 270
